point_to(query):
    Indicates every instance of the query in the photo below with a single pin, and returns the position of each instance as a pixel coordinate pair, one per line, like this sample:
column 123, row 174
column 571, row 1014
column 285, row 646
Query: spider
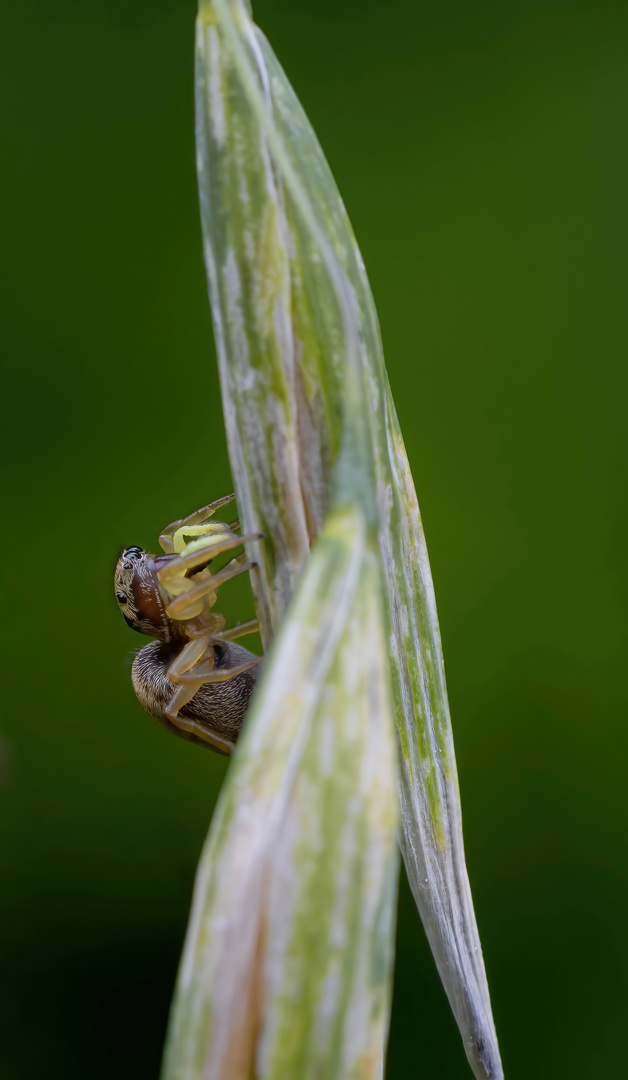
column 193, row 678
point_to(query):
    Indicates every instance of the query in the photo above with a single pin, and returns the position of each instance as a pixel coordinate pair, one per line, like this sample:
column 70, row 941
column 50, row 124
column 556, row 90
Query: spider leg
column 180, row 608
column 206, row 673
column 190, row 681
column 224, row 674
column 180, row 564
column 166, row 538
column 190, row 655
column 251, row 627
column 193, row 727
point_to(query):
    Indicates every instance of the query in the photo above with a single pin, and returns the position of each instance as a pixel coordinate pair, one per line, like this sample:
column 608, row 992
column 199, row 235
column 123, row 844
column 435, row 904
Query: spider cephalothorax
column 139, row 597
column 193, row 678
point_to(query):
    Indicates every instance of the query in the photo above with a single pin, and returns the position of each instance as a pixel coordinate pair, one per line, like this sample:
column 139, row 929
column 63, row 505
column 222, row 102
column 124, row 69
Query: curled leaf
column 287, row 959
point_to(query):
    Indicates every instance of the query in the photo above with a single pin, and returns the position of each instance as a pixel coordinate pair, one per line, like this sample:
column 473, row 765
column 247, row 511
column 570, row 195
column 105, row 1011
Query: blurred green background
column 481, row 150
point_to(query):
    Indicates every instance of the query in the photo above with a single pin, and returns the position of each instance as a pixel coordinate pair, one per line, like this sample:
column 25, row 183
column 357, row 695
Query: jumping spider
column 193, row 678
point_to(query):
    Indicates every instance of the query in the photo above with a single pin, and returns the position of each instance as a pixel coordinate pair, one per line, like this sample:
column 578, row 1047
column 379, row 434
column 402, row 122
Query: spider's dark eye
column 121, row 598
column 133, row 553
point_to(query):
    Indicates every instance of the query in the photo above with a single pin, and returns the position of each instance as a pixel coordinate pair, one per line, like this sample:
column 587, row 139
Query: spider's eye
column 121, row 598
column 133, row 553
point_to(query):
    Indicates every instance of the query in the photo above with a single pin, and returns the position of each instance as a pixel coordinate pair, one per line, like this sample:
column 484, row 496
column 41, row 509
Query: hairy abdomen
column 220, row 707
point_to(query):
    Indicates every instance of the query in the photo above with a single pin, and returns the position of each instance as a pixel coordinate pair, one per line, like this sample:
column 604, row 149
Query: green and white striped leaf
column 292, row 311
column 287, row 960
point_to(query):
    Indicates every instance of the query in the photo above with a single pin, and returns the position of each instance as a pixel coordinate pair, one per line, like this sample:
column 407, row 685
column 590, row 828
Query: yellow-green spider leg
column 193, row 727
column 185, row 606
column 166, row 538
column 251, row 627
column 188, row 683
column 182, row 563
column 189, row 656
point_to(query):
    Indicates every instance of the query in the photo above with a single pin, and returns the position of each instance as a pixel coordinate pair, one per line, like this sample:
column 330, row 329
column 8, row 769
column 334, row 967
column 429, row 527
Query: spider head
column 138, row 594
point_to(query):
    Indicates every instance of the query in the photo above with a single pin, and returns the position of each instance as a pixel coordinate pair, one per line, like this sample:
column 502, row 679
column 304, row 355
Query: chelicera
column 193, row 677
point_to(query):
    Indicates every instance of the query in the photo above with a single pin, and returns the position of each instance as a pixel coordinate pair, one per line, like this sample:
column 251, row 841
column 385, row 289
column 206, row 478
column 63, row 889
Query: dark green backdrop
column 481, row 149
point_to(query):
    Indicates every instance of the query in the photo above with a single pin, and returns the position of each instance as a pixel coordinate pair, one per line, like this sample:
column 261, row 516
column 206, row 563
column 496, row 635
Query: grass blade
column 292, row 310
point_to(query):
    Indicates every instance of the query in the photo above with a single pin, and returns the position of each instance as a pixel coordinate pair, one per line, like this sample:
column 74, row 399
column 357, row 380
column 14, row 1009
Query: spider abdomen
column 217, row 707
